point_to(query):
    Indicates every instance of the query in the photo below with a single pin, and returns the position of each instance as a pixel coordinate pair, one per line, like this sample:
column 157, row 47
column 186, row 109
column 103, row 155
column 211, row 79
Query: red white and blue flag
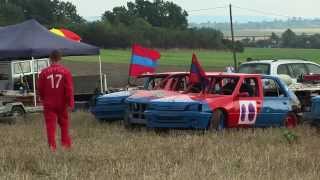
column 197, row 74
column 143, row 60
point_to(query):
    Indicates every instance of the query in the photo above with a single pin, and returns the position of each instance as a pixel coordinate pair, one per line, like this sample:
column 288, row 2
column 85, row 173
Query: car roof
column 211, row 74
column 162, row 74
column 279, row 61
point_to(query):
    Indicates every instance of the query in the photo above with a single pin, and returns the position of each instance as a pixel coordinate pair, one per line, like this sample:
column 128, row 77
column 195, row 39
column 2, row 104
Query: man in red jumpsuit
column 55, row 88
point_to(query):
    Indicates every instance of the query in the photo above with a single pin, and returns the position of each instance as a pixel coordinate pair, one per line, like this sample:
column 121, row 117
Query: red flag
column 143, row 60
column 197, row 74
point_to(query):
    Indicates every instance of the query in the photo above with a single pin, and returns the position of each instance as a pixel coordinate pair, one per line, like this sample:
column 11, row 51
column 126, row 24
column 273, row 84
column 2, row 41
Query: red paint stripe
column 145, row 52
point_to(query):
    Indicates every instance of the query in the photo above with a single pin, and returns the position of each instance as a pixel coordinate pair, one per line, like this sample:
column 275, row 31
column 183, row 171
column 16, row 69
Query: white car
column 291, row 67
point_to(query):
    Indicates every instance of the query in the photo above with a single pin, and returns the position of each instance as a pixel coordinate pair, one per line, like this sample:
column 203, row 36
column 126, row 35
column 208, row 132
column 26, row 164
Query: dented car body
column 113, row 107
column 137, row 103
column 229, row 101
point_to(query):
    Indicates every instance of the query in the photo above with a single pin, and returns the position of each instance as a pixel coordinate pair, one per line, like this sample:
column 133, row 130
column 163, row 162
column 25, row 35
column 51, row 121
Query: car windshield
column 255, row 68
column 152, row 83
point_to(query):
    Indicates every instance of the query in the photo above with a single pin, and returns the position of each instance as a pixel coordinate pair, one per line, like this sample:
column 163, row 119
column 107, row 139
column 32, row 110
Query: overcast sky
column 298, row 8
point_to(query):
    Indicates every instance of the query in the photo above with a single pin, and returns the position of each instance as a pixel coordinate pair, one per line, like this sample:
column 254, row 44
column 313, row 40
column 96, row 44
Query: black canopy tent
column 31, row 40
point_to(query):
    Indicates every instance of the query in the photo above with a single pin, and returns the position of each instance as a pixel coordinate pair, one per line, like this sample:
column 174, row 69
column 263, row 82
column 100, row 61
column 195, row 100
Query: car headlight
column 206, row 108
column 194, row 107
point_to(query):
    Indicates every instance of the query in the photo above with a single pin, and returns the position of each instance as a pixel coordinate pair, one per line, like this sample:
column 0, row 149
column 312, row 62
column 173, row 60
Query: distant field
column 262, row 32
column 208, row 58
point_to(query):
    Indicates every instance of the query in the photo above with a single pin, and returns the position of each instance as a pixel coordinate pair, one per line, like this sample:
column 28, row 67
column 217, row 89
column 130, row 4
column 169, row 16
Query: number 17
column 53, row 77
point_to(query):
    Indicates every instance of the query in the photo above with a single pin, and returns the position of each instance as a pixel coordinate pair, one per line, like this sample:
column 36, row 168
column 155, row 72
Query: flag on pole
column 143, row 60
column 197, row 74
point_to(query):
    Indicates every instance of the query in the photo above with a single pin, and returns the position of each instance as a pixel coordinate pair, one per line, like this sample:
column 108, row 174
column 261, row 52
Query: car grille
column 136, row 110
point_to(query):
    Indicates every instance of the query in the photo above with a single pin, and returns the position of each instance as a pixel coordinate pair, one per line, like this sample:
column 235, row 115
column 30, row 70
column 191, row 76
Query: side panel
column 274, row 110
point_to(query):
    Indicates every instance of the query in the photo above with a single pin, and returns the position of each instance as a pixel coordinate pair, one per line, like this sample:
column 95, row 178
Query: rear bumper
column 109, row 112
column 177, row 119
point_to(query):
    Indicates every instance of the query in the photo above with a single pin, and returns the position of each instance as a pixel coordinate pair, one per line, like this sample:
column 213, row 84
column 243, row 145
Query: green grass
column 209, row 58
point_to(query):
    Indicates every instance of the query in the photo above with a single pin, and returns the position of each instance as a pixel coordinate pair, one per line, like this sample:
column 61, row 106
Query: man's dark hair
column 55, row 55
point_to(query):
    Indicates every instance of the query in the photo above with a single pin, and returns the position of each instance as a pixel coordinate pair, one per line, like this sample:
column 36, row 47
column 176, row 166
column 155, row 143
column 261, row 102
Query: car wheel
column 17, row 114
column 217, row 120
column 290, row 120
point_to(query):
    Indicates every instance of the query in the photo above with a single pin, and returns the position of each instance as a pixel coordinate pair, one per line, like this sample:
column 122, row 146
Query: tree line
column 159, row 24
column 288, row 39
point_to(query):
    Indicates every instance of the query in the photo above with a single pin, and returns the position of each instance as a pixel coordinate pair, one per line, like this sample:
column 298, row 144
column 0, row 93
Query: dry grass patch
column 108, row 151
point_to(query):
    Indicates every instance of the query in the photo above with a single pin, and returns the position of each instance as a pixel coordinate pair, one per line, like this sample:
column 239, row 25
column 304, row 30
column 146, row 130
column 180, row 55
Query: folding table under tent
column 31, row 40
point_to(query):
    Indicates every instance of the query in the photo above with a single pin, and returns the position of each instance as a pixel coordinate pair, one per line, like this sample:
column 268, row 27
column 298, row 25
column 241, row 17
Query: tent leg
column 105, row 83
column 100, row 71
column 34, row 83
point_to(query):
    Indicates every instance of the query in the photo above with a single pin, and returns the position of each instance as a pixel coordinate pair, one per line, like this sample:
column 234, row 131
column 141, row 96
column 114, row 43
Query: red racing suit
column 55, row 87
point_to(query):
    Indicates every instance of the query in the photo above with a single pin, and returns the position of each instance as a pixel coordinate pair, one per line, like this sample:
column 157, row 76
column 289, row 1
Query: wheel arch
column 225, row 112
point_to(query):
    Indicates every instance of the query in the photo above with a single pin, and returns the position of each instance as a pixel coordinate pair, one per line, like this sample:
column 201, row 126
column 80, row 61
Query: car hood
column 116, row 97
column 185, row 102
column 144, row 96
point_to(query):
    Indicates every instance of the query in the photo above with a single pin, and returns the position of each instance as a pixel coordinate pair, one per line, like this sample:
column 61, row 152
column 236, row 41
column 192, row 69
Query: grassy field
column 108, row 151
column 208, row 58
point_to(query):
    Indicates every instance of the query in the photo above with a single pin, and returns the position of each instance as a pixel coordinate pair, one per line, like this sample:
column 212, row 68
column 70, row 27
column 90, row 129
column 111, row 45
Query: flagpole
column 34, row 83
column 100, row 72
column 130, row 65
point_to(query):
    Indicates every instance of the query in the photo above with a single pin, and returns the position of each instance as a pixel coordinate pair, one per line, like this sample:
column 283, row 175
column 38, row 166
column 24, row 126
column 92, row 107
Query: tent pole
column 34, row 83
column 105, row 83
column 100, row 71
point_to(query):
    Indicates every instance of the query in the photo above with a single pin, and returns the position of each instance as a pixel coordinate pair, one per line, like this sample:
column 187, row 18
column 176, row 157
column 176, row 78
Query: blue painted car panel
column 177, row 119
column 111, row 106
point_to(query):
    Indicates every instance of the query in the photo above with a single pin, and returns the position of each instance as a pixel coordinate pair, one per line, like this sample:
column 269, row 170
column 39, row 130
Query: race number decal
column 248, row 112
column 55, row 80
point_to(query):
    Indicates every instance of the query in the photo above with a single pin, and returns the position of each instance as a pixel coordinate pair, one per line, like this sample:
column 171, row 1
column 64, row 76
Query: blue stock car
column 112, row 106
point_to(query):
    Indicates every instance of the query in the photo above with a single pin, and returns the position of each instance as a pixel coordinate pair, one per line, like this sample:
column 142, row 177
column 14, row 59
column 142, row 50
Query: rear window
column 255, row 68
column 313, row 69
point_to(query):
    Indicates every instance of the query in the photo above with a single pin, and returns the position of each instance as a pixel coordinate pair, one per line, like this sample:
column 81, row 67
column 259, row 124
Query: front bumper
column 178, row 119
column 109, row 112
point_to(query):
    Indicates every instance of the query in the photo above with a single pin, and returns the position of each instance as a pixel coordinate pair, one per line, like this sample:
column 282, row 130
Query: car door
column 249, row 101
column 275, row 104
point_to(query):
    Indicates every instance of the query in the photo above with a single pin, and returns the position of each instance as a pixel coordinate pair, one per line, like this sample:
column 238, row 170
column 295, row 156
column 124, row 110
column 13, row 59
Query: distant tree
column 289, row 39
column 275, row 39
column 158, row 13
column 10, row 14
column 66, row 13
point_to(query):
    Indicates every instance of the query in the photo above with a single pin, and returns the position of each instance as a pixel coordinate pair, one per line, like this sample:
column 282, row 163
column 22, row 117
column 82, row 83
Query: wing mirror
column 244, row 94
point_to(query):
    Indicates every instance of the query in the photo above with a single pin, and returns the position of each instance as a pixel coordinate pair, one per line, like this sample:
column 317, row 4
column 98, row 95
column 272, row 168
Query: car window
column 223, row 85
column 298, row 69
column 271, row 88
column 152, row 83
column 255, row 68
column 250, row 86
column 313, row 69
column 283, row 69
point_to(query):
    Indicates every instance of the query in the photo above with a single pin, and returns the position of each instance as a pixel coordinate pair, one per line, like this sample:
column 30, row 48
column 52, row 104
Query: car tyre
column 17, row 114
column 126, row 122
column 217, row 120
column 291, row 120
